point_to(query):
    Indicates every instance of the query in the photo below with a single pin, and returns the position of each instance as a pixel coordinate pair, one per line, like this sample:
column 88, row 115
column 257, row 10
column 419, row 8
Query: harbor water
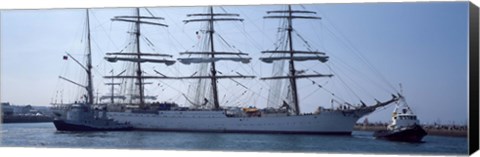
column 44, row 135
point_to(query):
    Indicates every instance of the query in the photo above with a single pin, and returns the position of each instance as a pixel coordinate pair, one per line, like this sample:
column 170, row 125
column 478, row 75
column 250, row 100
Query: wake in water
column 362, row 135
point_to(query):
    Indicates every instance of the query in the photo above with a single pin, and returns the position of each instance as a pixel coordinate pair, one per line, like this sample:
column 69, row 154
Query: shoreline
column 429, row 129
column 25, row 119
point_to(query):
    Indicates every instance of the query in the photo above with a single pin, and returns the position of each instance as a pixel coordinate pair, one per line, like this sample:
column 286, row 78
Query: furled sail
column 214, row 53
column 140, row 60
column 115, row 97
column 322, row 59
column 297, row 76
column 137, row 54
column 296, row 52
column 209, row 60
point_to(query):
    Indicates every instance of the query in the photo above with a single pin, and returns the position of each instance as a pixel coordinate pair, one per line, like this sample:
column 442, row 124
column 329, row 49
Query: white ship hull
column 328, row 122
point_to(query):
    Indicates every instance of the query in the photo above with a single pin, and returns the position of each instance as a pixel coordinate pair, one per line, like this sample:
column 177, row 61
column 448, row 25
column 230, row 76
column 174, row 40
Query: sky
column 423, row 46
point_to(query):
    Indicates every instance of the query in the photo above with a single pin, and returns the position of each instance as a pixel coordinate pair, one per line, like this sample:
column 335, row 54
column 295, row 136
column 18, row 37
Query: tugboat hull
column 65, row 126
column 413, row 134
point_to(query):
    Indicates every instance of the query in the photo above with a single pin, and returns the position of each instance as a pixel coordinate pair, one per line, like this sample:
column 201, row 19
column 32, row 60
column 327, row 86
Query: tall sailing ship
column 288, row 118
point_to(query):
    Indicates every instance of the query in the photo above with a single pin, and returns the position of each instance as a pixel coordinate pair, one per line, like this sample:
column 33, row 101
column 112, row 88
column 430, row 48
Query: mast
column 89, row 64
column 139, row 66
column 213, row 69
column 136, row 57
column 112, row 85
column 112, row 90
column 212, row 17
column 293, row 54
column 293, row 80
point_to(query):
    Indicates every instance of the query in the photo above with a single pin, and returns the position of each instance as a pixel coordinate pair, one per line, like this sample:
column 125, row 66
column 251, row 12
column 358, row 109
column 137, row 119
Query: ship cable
column 349, row 44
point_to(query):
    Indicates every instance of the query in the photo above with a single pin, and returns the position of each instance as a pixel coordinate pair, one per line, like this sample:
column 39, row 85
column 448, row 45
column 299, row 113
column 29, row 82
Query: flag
column 65, row 57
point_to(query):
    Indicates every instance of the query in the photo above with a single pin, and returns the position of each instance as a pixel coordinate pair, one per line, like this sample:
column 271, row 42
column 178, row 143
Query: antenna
column 401, row 88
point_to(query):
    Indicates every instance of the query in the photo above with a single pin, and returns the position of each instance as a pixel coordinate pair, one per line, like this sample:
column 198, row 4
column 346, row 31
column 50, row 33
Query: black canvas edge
column 473, row 128
column 473, row 105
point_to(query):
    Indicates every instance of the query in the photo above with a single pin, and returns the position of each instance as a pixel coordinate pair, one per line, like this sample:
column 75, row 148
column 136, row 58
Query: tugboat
column 405, row 125
column 81, row 117
column 85, row 116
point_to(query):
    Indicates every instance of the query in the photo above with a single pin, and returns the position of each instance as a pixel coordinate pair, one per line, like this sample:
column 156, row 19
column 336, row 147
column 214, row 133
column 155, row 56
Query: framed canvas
column 285, row 78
